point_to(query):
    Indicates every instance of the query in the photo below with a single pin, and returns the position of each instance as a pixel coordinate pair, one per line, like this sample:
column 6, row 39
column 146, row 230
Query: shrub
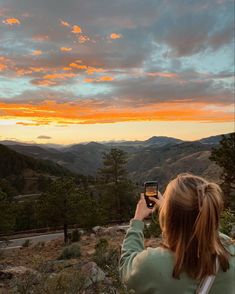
column 39, row 245
column 71, row 251
column 153, row 230
column 227, row 221
column 107, row 258
column 26, row 243
column 65, row 282
column 71, row 282
column 101, row 253
column 1, row 253
column 74, row 236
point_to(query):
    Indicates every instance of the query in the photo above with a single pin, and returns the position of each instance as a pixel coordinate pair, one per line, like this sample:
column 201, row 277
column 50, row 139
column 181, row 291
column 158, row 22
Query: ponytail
column 190, row 216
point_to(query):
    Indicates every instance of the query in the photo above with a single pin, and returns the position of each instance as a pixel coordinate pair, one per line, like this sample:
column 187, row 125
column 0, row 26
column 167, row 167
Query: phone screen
column 151, row 191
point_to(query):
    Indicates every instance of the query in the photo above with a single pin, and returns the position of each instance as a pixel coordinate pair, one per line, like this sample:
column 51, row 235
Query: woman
column 192, row 245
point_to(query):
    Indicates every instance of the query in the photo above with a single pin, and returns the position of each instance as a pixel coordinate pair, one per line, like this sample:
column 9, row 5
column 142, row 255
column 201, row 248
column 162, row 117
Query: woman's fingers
column 160, row 195
column 142, row 196
column 157, row 201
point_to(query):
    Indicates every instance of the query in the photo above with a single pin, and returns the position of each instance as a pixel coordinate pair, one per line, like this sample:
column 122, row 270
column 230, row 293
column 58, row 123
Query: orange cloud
column 79, row 66
column 101, row 79
column 3, row 63
column 66, row 49
column 22, row 72
column 90, row 112
column 64, row 23
column 83, row 38
column 37, row 69
column 44, row 83
column 115, row 36
column 90, row 70
column 11, row 21
column 37, row 52
column 76, row 30
column 106, row 79
column 40, row 38
column 60, row 76
column 67, row 68
column 162, row 74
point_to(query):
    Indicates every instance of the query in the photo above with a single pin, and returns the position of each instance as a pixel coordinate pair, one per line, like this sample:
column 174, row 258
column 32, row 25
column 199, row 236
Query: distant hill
column 212, row 139
column 156, row 158
column 155, row 140
column 164, row 163
column 20, row 173
column 161, row 141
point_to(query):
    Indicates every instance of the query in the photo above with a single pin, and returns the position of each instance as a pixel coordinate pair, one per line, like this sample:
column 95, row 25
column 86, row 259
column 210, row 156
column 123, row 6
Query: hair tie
column 201, row 189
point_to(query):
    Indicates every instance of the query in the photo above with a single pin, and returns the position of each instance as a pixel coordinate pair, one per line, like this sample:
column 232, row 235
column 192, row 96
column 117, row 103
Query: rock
column 17, row 271
column 90, row 252
column 92, row 236
column 57, row 265
column 113, row 231
column 5, row 275
column 97, row 229
column 92, row 273
column 81, row 232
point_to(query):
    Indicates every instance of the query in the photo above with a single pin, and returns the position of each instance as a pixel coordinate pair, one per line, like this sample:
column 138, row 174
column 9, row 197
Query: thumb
column 142, row 196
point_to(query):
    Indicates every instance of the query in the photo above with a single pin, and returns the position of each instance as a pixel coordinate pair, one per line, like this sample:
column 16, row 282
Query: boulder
column 11, row 272
column 51, row 266
column 97, row 229
column 92, row 273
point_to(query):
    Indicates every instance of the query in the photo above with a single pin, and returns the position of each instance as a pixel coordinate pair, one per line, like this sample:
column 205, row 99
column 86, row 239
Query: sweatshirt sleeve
column 132, row 245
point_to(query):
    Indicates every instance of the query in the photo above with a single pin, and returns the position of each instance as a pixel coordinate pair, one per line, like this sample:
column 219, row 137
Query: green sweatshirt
column 149, row 271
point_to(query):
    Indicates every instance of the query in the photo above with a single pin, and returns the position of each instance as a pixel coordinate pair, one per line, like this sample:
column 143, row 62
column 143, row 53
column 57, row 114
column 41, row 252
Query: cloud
column 44, row 137
column 40, row 38
column 100, row 79
column 76, row 29
column 83, row 39
column 59, row 76
column 11, row 21
column 64, row 23
column 84, row 112
column 137, row 58
column 65, row 49
column 37, row 52
column 115, row 36
column 3, row 63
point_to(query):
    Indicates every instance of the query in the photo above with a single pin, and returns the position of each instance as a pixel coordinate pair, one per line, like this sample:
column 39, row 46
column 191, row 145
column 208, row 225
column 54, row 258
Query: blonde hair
column 189, row 219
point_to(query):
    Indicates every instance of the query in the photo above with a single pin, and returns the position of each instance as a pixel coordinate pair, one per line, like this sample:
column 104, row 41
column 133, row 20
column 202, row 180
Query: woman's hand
column 142, row 211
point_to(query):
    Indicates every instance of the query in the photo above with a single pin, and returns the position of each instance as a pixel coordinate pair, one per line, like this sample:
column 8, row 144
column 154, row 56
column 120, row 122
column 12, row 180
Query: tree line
column 87, row 202
column 70, row 200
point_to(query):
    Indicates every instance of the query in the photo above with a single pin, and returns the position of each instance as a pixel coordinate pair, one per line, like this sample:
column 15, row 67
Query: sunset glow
column 91, row 69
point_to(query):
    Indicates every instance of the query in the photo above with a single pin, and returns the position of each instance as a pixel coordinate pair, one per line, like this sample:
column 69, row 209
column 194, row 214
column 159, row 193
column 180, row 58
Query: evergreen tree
column 224, row 156
column 58, row 206
column 117, row 191
column 7, row 219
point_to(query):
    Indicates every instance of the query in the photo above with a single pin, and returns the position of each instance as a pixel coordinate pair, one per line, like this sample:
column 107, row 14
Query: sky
column 75, row 71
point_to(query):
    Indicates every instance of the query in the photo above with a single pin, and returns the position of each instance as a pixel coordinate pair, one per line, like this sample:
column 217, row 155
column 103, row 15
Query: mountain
column 212, row 139
column 161, row 141
column 156, row 158
column 155, row 140
column 20, row 173
column 164, row 163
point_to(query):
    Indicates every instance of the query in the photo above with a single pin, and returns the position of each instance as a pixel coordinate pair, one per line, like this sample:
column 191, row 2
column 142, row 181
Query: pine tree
column 118, row 192
column 58, row 206
column 224, row 156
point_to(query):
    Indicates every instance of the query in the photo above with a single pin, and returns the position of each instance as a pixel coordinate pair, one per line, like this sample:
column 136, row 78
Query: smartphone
column 150, row 190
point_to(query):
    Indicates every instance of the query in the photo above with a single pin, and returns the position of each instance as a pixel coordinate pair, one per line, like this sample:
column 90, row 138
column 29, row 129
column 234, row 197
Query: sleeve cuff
column 137, row 224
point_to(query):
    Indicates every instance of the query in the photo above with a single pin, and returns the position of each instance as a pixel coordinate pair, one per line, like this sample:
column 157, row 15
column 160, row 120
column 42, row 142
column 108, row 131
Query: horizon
column 104, row 142
column 88, row 71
